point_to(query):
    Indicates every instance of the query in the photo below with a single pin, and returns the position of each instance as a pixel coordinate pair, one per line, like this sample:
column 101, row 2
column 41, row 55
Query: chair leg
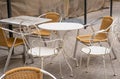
column 8, row 59
column 81, row 60
column 76, row 44
column 27, row 45
column 44, row 41
column 42, row 66
column 13, row 52
column 68, row 64
column 75, row 59
column 32, row 59
column 76, row 62
column 27, row 56
column 24, row 54
column 112, row 66
column 52, row 59
column 105, row 77
column 88, row 61
column 42, row 63
column 115, row 57
column 60, row 66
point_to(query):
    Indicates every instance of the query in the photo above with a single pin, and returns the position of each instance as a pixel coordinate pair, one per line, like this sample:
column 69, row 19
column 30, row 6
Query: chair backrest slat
column 53, row 15
column 106, row 23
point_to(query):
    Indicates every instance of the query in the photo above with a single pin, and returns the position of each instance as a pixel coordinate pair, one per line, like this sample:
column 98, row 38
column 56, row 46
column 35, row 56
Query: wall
column 67, row 8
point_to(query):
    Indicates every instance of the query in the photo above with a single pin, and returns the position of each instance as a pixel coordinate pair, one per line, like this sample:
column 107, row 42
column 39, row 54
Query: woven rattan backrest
column 3, row 39
column 53, row 15
column 106, row 23
column 23, row 73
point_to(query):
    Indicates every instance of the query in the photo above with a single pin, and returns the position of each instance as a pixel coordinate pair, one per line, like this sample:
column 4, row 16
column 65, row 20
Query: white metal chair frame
column 60, row 18
column 11, row 49
column 91, row 50
column 23, row 33
column 115, row 30
column 38, row 29
column 91, row 26
column 56, row 51
column 42, row 16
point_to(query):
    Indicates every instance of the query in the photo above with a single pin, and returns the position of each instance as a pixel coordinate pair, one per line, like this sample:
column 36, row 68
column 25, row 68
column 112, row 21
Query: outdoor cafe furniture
column 26, row 20
column 97, row 50
column 20, row 21
column 62, row 26
column 101, row 37
column 52, row 49
column 10, row 43
column 55, row 17
column 26, row 73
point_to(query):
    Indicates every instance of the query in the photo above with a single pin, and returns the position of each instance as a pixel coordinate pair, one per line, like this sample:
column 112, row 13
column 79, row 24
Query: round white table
column 61, row 26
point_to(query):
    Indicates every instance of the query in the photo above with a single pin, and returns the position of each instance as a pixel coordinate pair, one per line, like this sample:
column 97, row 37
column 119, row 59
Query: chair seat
column 86, row 38
column 96, row 50
column 17, row 43
column 42, row 32
column 42, row 51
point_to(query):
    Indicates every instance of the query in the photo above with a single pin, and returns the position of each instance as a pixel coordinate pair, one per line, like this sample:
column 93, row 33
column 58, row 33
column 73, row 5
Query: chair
column 101, row 37
column 50, row 15
column 10, row 43
column 53, row 48
column 25, row 73
column 98, row 50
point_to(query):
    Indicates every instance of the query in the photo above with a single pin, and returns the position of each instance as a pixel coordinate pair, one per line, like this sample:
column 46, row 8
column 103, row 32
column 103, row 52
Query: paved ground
column 96, row 65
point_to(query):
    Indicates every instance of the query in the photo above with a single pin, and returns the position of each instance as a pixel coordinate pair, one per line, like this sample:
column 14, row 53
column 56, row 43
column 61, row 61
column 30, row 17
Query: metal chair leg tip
column 28, row 62
column 86, row 71
column 77, row 65
column 51, row 63
column 71, row 75
column 114, row 58
column 62, row 77
column 115, row 75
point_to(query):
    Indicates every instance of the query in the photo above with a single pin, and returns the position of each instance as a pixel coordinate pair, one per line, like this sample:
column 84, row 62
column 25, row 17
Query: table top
column 25, row 20
column 61, row 26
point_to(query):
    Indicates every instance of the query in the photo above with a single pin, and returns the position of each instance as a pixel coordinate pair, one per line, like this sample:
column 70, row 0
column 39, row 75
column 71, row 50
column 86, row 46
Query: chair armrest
column 9, row 30
column 60, row 20
column 2, row 76
column 42, row 15
column 100, row 31
column 15, row 31
column 96, row 33
column 47, row 73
